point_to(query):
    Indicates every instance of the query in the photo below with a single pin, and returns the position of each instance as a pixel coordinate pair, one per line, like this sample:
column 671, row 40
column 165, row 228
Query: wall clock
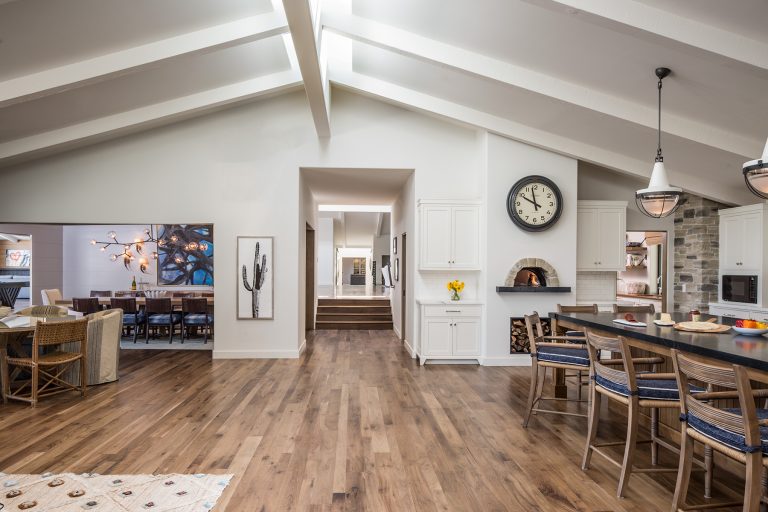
column 534, row 203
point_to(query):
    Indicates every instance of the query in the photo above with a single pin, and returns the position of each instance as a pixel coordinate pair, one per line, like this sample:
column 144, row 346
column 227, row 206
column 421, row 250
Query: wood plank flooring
column 355, row 424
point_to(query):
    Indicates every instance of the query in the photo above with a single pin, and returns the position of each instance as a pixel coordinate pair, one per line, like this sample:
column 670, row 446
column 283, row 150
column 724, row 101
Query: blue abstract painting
column 185, row 254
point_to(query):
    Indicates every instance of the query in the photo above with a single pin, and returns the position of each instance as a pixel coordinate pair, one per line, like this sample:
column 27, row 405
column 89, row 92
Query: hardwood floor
column 355, row 424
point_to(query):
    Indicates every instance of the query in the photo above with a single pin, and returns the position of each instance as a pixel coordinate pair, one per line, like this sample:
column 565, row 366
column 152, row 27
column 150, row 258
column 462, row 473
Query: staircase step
column 363, row 317
column 353, row 325
column 337, row 310
column 353, row 302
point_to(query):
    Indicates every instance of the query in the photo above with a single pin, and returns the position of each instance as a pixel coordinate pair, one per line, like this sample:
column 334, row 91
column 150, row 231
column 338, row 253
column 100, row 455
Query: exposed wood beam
column 444, row 109
column 684, row 30
column 78, row 74
column 305, row 42
column 144, row 117
column 410, row 44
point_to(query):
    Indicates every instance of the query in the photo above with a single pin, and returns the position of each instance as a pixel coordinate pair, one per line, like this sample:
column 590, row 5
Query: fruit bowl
column 747, row 331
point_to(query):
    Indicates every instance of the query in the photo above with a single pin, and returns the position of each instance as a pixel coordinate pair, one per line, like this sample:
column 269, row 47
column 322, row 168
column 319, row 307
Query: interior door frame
column 403, row 285
column 310, row 265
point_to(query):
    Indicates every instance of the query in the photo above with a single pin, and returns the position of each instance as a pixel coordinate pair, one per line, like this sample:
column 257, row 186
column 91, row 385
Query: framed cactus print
column 255, row 269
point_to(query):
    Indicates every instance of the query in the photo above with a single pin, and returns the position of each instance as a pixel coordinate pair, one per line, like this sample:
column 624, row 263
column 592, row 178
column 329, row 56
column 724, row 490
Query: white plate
column 749, row 332
column 630, row 324
column 663, row 323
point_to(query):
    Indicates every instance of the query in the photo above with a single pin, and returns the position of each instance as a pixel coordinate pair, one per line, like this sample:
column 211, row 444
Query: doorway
column 403, row 285
column 310, row 279
column 644, row 279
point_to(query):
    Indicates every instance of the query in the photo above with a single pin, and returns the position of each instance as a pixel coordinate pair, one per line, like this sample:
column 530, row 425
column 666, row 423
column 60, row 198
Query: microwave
column 740, row 289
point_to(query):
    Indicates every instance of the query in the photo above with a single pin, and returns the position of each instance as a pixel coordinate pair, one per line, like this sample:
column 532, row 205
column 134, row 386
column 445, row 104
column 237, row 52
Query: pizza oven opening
column 531, row 276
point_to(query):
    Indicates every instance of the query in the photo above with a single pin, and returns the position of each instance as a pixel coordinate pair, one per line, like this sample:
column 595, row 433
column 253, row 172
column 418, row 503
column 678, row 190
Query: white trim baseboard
column 510, row 360
column 303, row 346
column 256, row 354
column 410, row 349
column 397, row 331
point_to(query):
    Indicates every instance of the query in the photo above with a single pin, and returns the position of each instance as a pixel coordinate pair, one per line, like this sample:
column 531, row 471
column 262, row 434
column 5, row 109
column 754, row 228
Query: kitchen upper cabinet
column 741, row 240
column 601, row 229
column 450, row 235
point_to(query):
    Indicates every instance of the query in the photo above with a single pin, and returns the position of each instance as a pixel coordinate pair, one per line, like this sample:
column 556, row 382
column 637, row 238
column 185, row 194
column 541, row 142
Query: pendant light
column 756, row 174
column 659, row 199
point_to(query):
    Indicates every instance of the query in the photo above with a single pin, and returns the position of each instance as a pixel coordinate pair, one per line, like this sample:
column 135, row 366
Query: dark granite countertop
column 729, row 347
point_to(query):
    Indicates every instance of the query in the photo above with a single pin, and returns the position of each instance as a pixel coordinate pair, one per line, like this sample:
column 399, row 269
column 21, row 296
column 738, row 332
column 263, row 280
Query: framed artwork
column 394, row 245
column 255, row 268
column 185, row 254
column 397, row 269
column 17, row 257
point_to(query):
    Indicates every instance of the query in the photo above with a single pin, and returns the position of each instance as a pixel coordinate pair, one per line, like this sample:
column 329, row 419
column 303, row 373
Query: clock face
column 534, row 203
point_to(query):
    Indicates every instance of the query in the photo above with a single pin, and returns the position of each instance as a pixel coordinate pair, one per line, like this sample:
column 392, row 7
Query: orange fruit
column 750, row 324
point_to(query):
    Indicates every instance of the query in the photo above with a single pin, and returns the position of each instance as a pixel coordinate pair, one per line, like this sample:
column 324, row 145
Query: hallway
column 355, row 424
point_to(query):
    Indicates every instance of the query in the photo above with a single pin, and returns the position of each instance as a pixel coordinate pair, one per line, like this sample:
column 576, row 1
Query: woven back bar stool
column 626, row 386
column 739, row 433
column 592, row 308
column 648, row 308
column 557, row 352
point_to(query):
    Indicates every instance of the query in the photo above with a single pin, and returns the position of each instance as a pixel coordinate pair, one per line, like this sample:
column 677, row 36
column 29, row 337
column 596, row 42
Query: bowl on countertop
column 747, row 331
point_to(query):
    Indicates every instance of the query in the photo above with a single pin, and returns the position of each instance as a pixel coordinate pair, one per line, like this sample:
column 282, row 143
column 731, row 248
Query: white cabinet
column 740, row 242
column 450, row 235
column 450, row 331
column 728, row 311
column 601, row 229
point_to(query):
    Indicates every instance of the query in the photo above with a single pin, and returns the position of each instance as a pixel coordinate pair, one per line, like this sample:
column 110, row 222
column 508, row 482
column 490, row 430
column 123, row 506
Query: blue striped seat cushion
column 134, row 318
column 574, row 356
column 197, row 318
column 647, row 389
column 164, row 318
column 728, row 438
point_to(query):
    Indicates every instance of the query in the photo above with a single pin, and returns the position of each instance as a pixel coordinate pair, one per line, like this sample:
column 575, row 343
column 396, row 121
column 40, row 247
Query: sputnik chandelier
column 131, row 249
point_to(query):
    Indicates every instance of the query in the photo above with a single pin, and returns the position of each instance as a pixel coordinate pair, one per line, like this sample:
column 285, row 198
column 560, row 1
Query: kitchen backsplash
column 595, row 287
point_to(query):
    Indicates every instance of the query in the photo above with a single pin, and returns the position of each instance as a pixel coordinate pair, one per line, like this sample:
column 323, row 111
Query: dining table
column 140, row 301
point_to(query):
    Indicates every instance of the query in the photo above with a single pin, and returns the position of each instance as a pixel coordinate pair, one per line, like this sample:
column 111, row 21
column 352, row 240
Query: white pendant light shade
column 659, row 199
column 756, row 174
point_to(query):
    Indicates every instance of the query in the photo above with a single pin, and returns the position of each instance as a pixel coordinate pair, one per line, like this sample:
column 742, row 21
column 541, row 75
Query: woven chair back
column 59, row 333
column 648, row 308
column 577, row 309
column 596, row 343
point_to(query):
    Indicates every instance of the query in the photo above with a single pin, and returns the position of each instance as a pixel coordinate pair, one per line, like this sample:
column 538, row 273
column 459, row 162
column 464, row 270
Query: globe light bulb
column 112, row 235
column 113, row 257
column 93, row 242
column 161, row 243
column 154, row 255
column 179, row 260
column 174, row 238
column 203, row 246
column 103, row 249
column 192, row 246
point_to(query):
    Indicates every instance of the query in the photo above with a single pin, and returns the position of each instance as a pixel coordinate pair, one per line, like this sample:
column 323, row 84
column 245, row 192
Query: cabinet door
column 587, row 239
column 612, row 236
column 752, row 243
column 466, row 337
column 436, row 237
column 732, row 242
column 438, row 336
column 465, row 242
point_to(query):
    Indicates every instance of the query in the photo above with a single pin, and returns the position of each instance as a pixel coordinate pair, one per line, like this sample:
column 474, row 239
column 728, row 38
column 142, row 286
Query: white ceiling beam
column 78, row 74
column 145, row 117
column 379, row 223
column 305, row 42
column 671, row 26
column 10, row 238
column 444, row 109
column 410, row 44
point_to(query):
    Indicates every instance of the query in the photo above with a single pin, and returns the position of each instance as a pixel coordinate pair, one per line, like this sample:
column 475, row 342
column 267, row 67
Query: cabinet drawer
column 451, row 311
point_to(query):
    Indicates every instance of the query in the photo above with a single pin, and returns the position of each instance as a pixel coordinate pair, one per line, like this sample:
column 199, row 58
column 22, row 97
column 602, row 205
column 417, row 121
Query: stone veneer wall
column 696, row 247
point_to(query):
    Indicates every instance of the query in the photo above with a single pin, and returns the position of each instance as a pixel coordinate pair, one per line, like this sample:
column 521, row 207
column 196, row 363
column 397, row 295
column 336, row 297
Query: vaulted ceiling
column 572, row 76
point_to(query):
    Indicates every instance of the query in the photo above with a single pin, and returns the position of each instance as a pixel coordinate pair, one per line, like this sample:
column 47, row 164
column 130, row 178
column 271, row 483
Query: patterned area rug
column 68, row 492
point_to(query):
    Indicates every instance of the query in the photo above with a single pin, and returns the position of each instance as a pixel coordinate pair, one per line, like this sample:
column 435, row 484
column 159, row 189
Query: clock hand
column 532, row 202
column 535, row 204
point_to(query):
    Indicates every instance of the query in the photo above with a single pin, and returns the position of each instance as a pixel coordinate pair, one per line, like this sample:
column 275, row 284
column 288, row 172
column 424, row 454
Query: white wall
column 381, row 246
column 46, row 271
column 404, row 221
column 507, row 162
column 325, row 252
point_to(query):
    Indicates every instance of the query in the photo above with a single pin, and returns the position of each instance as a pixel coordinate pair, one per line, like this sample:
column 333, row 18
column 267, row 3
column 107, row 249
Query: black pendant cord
column 659, row 158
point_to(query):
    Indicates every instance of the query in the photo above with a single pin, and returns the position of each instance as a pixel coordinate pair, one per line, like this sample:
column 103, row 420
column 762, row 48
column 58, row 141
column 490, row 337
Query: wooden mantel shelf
column 533, row 289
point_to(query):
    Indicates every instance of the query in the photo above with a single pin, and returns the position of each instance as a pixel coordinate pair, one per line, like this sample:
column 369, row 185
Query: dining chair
column 86, row 305
column 50, row 296
column 133, row 317
column 101, row 293
column 47, row 368
column 160, row 314
column 646, row 308
column 625, row 385
column 739, row 433
column 179, row 295
column 578, row 309
column 556, row 352
column 194, row 313
column 206, row 294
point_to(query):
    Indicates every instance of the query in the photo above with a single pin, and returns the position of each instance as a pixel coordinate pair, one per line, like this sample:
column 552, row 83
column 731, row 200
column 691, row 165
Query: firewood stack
column 518, row 335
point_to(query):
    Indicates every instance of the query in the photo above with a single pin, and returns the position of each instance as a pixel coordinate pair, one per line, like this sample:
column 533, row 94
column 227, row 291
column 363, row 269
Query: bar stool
column 569, row 354
column 647, row 308
column 635, row 390
column 578, row 309
column 739, row 433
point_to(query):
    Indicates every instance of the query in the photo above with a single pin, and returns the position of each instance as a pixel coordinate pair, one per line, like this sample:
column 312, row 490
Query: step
column 340, row 310
column 363, row 317
column 353, row 302
column 352, row 325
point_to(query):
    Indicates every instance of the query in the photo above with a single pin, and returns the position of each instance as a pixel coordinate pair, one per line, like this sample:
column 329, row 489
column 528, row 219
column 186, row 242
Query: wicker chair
column 133, row 317
column 635, row 390
column 647, row 309
column 86, row 305
column 47, row 369
column 559, row 352
column 194, row 313
column 43, row 311
column 739, row 433
column 50, row 296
